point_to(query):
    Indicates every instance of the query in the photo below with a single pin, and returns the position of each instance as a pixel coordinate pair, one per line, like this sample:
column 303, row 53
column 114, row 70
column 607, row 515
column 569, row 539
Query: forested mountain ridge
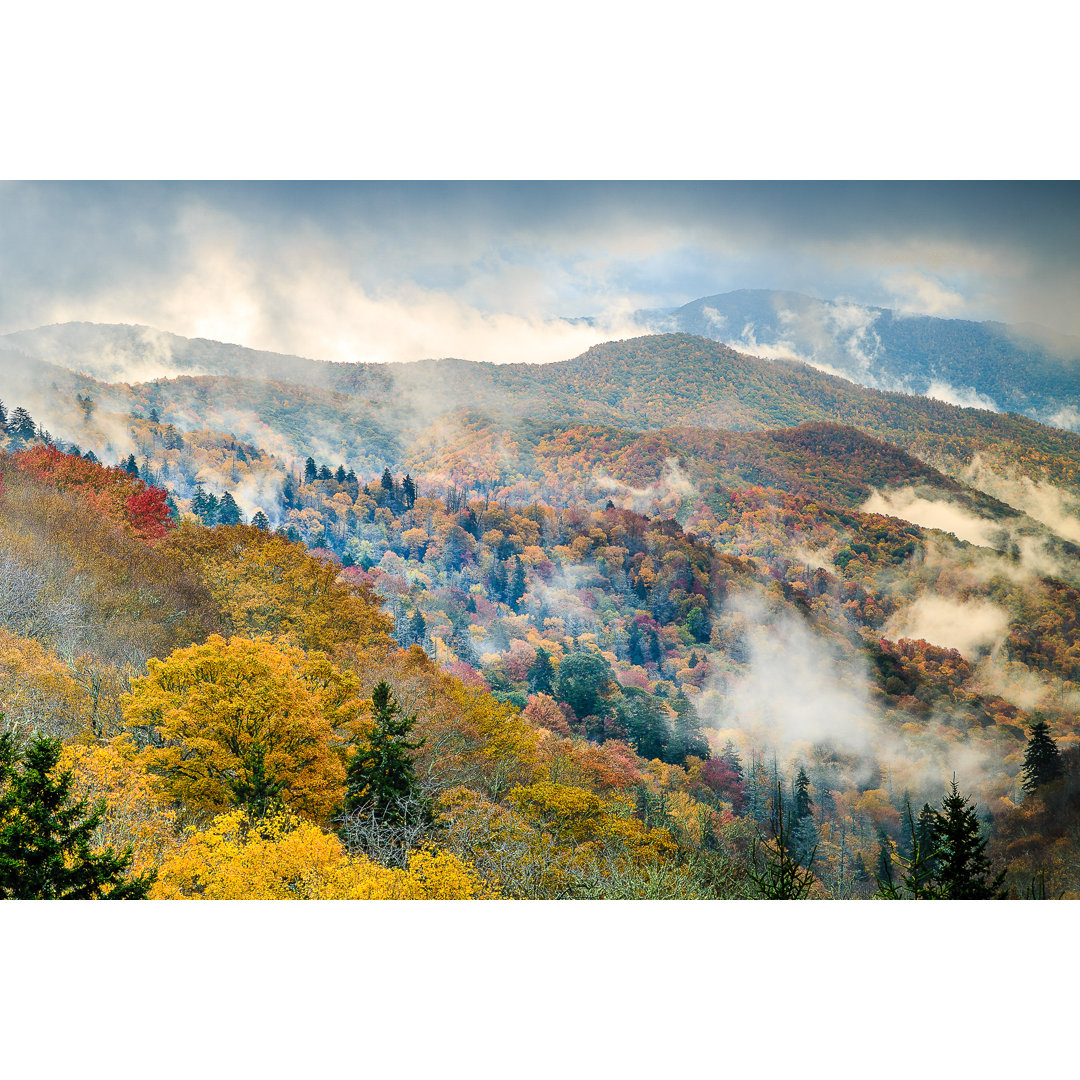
column 1026, row 369
column 399, row 414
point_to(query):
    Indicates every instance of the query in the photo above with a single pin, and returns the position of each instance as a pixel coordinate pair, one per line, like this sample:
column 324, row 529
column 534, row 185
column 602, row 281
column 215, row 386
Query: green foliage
column 947, row 860
column 45, row 834
column 776, row 871
column 380, row 776
column 587, row 684
column 1042, row 760
column 542, row 674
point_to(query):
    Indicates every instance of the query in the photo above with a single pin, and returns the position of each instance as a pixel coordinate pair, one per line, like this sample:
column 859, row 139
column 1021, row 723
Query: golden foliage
column 283, row 857
column 266, row 585
column 222, row 711
column 133, row 815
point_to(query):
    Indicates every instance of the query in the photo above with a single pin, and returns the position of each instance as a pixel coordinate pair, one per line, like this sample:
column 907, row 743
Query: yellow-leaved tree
column 132, row 815
column 282, row 857
column 243, row 723
column 266, row 585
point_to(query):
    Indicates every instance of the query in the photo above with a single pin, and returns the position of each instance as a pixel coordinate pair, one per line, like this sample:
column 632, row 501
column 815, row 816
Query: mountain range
column 670, row 557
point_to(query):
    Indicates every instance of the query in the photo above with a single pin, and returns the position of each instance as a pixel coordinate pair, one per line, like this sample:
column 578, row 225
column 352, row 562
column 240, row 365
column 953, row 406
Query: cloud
column 489, row 271
column 1057, row 509
column 967, row 397
column 799, row 691
column 934, row 514
column 916, row 293
column 969, row 626
column 672, row 484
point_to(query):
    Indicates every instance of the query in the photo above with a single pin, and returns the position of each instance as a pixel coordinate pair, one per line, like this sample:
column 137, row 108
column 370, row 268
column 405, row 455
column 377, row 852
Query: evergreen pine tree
column 461, row 640
column 380, row 776
column 776, row 869
column 46, row 836
column 730, row 756
column 3, row 417
column 804, row 839
column 203, row 505
column 228, row 512
column 209, row 516
column 417, row 628
column 926, row 836
column 633, row 640
column 542, row 674
column 339, row 476
column 257, row 793
column 325, row 473
column 386, row 482
column 686, row 738
column 131, row 465
column 21, row 425
column 515, row 590
column 1042, row 759
column 498, row 581
column 918, row 866
column 311, row 471
column 963, row 871
column 655, row 653
column 803, row 802
column 260, row 521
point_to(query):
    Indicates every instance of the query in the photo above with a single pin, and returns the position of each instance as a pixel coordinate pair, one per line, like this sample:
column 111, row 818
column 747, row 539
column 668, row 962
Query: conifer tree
column 204, row 505
column 325, row 473
column 45, row 834
column 260, row 521
column 21, row 425
column 542, row 674
column 730, row 756
column 228, row 512
column 3, row 416
column 417, row 628
column 515, row 590
column 339, row 476
column 686, row 739
column 655, row 653
column 1042, row 759
column 498, row 581
column 917, row 868
column 776, row 868
column 803, row 802
column 408, row 491
column 380, row 776
column 131, row 465
column 963, row 871
column 311, row 472
column 633, row 640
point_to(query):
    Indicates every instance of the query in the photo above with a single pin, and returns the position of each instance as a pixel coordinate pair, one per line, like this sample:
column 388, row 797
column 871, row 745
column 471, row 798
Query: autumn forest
column 667, row 621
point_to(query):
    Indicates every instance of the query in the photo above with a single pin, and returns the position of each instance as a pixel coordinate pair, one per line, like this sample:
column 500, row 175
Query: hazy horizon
column 505, row 271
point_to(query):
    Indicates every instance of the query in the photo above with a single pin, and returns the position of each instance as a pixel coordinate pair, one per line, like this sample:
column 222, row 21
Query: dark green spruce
column 45, row 834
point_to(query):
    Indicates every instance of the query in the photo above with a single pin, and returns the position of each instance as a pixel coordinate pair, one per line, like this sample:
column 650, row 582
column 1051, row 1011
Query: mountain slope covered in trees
column 610, row 617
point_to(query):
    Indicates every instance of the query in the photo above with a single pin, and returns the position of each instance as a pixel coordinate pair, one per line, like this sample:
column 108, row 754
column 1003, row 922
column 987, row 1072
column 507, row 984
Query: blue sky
column 383, row 270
